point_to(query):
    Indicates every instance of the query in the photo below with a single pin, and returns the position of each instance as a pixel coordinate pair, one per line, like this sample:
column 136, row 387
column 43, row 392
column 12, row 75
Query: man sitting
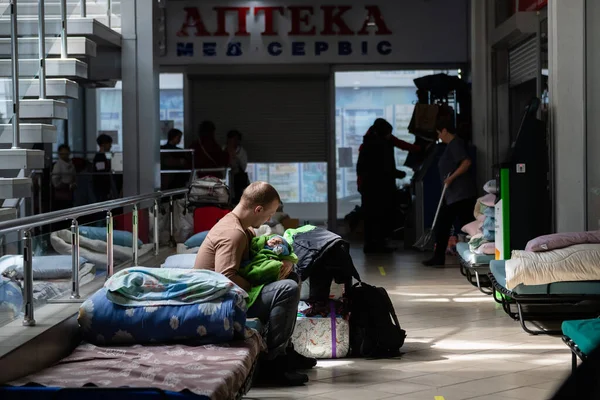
column 224, row 250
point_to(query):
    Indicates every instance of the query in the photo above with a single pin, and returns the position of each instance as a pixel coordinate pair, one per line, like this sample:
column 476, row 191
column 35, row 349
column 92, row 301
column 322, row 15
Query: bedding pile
column 208, row 371
column 142, row 305
column 93, row 248
column 569, row 264
column 52, row 275
column 482, row 231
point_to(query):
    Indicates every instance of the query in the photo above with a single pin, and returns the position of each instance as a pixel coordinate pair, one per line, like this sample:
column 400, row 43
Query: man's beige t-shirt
column 225, row 247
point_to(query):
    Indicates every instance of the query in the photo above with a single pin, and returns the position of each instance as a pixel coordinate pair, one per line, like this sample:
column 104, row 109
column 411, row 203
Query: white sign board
column 307, row 31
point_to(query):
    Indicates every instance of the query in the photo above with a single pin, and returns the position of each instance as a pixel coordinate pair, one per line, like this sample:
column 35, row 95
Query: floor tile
column 526, row 393
column 460, row 345
column 356, row 394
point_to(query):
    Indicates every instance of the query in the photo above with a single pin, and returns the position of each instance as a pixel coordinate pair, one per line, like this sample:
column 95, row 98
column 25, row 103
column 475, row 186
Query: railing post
column 42, row 48
column 109, row 12
column 29, row 319
column 83, row 8
column 14, row 38
column 75, row 258
column 156, row 238
column 134, row 229
column 63, row 31
column 110, row 267
column 172, row 242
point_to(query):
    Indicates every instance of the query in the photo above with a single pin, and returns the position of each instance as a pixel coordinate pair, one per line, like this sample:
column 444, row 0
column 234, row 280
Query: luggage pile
column 337, row 318
column 209, row 200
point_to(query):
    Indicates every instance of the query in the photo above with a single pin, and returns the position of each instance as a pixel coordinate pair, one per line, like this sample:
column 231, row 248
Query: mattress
column 94, row 250
column 468, row 256
column 213, row 371
column 497, row 268
column 571, row 264
column 104, row 322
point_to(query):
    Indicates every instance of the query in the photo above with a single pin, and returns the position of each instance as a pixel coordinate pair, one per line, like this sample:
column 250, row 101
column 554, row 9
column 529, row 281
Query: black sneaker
column 280, row 379
column 435, row 262
column 298, row 361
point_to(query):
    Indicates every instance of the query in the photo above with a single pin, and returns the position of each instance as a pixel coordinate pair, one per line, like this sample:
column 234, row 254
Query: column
column 481, row 80
column 141, row 137
column 567, row 83
column 592, row 55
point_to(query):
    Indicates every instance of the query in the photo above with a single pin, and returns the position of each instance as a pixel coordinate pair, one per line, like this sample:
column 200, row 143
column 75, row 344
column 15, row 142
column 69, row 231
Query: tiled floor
column 460, row 345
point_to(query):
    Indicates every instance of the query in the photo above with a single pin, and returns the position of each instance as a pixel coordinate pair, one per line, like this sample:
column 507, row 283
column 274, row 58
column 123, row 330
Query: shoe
column 298, row 361
column 435, row 262
column 280, row 379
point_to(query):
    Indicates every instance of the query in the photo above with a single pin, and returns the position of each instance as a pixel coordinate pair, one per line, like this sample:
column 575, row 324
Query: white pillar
column 592, row 41
column 567, row 83
column 141, row 137
column 481, row 81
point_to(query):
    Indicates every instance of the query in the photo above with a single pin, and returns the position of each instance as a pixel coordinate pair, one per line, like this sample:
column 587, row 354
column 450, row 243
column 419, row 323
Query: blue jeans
column 277, row 307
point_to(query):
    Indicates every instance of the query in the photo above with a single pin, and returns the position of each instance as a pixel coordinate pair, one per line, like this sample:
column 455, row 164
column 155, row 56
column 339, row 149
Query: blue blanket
column 143, row 287
column 11, row 297
column 103, row 322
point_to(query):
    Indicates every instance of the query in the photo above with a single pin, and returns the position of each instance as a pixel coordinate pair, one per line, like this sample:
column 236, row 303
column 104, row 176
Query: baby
column 278, row 245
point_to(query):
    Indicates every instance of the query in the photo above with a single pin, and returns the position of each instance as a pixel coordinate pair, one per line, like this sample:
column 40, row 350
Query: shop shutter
column 523, row 63
column 281, row 119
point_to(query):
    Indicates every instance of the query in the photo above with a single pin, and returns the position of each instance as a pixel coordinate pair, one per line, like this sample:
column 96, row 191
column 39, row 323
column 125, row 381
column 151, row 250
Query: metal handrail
column 53, row 217
column 25, row 226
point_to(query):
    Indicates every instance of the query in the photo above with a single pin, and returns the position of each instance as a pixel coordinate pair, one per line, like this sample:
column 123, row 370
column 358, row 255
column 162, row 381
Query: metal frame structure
column 534, row 308
column 28, row 224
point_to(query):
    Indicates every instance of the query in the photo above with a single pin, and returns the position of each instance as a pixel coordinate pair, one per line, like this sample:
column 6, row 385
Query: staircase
column 87, row 54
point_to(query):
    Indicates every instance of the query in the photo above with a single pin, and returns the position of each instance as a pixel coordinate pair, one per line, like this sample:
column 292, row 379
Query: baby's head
column 275, row 240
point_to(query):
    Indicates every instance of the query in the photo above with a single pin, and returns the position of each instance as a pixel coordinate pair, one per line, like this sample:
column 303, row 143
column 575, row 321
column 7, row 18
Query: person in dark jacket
column 376, row 169
column 103, row 182
column 208, row 153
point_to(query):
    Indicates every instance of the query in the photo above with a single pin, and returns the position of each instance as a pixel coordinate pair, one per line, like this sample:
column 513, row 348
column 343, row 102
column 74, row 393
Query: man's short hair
column 233, row 133
column 207, row 128
column 64, row 147
column 260, row 194
column 103, row 139
column 444, row 123
column 174, row 133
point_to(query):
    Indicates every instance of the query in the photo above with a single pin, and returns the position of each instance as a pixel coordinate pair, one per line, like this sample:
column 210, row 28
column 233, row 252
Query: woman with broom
column 460, row 195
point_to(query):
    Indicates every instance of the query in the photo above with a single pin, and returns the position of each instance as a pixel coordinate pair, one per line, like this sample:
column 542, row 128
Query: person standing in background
column 63, row 179
column 102, row 180
column 238, row 162
column 461, row 193
column 208, row 154
column 376, row 169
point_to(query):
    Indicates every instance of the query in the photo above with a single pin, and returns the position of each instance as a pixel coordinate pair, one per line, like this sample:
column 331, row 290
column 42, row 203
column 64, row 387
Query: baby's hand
column 274, row 241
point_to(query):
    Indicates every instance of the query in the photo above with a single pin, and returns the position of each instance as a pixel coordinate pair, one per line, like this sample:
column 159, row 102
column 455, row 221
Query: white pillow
column 490, row 187
column 44, row 267
column 184, row 261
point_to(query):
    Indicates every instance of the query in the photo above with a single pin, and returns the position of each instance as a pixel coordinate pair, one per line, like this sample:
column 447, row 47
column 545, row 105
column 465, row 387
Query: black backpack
column 374, row 327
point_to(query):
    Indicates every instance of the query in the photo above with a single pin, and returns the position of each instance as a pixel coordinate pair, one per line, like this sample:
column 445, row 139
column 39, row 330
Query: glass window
column 110, row 109
column 109, row 120
column 295, row 182
column 171, row 104
column 360, row 98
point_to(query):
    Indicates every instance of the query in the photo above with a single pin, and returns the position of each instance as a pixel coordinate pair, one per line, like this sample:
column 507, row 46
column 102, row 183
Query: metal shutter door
column 281, row 119
column 523, row 63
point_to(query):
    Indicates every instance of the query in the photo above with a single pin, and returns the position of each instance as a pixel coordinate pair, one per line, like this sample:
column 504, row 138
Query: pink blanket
column 562, row 240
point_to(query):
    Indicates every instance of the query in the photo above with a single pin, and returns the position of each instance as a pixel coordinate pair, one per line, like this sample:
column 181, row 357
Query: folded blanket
column 571, row 264
column 562, row 240
column 104, row 322
column 264, row 266
column 142, row 287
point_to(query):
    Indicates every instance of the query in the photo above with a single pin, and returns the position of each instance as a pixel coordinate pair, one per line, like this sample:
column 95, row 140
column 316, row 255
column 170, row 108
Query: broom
column 427, row 240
